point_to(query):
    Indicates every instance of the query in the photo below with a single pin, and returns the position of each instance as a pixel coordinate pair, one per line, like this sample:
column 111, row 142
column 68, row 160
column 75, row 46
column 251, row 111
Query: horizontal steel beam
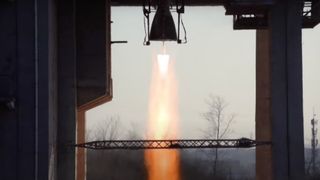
column 187, row 2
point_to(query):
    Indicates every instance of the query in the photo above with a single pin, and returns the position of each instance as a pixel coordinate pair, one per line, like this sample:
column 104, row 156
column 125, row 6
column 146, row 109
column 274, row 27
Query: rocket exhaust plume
column 163, row 119
column 163, row 63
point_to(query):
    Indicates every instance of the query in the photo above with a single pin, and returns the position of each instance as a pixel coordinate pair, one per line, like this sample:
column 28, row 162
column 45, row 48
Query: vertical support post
column 285, row 88
column 46, row 122
column 29, row 61
column 9, row 64
column 81, row 153
column 93, row 66
column 263, row 106
column 67, row 93
column 295, row 90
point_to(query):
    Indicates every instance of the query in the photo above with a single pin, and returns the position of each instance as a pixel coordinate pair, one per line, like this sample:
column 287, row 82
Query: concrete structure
column 55, row 64
column 279, row 112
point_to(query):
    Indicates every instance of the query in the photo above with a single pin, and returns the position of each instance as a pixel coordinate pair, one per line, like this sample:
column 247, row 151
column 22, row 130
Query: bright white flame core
column 163, row 120
column 163, row 63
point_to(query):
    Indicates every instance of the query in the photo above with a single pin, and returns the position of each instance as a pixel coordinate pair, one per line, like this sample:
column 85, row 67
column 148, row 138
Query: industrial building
column 55, row 64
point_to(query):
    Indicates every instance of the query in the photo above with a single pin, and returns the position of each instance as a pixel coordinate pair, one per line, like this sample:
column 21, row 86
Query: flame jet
column 163, row 120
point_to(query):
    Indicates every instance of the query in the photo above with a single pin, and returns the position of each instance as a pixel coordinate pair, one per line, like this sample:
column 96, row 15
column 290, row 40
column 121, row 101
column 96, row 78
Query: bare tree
column 106, row 130
column 219, row 123
column 133, row 132
column 98, row 161
column 111, row 164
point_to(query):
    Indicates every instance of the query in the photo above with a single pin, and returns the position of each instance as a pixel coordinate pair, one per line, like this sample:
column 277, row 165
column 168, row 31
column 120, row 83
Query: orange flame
column 163, row 119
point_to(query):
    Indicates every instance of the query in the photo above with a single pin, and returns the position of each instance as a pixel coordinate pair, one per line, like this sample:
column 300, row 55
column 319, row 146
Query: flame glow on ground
column 163, row 120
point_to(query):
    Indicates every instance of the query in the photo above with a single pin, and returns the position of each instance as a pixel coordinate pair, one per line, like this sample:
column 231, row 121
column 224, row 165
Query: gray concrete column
column 67, row 89
column 27, row 132
column 8, row 74
column 285, row 88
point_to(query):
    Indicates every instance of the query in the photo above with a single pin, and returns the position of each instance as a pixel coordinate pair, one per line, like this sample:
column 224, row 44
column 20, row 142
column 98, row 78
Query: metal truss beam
column 171, row 144
column 187, row 2
column 247, row 14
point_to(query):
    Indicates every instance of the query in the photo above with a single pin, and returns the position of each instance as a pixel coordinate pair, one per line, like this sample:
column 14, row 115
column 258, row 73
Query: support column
column 8, row 90
column 263, row 106
column 67, row 93
column 284, row 107
column 28, row 76
column 81, row 152
column 94, row 83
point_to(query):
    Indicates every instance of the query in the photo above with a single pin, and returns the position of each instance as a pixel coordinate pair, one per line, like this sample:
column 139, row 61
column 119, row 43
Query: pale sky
column 216, row 60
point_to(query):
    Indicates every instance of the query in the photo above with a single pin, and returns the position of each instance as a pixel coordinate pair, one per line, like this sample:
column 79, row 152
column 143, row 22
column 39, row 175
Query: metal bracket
column 118, row 42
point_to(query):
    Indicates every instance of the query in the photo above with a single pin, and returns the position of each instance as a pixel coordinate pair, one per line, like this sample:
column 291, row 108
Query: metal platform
column 247, row 14
column 311, row 13
column 171, row 144
column 254, row 15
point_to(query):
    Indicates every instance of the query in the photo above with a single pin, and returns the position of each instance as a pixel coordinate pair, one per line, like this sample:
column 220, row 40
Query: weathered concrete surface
column 8, row 119
column 263, row 106
column 93, row 73
column 93, row 51
column 81, row 152
column 285, row 89
column 41, row 69
column 28, row 131
column 66, row 89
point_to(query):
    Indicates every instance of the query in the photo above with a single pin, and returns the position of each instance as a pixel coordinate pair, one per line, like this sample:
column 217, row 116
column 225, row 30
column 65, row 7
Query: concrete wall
column 28, row 132
column 93, row 77
column 66, row 89
column 54, row 62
